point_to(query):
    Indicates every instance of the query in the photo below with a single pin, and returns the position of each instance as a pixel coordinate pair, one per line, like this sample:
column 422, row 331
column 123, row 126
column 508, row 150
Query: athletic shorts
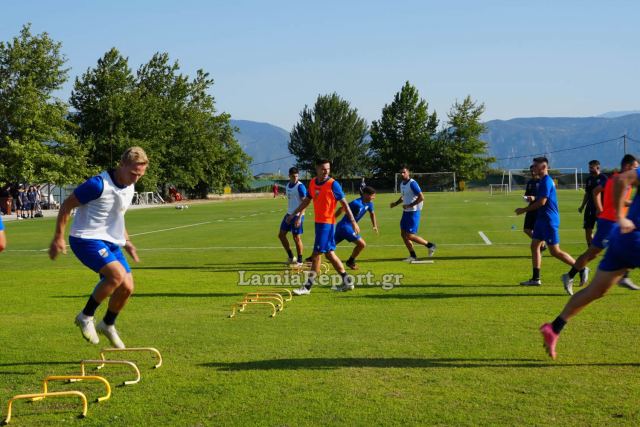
column 547, row 233
column 325, row 238
column 623, row 250
column 292, row 225
column 410, row 222
column 589, row 219
column 345, row 231
column 530, row 220
column 601, row 238
column 95, row 254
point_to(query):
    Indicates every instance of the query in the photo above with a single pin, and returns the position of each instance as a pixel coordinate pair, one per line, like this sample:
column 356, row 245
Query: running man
column 97, row 234
column 594, row 180
column 296, row 192
column 547, row 223
column 530, row 192
column 623, row 253
column 412, row 201
column 344, row 231
column 325, row 192
column 607, row 217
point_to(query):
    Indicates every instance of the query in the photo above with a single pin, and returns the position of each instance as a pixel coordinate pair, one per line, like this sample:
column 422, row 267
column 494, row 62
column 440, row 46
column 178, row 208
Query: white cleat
column 301, row 291
column 87, row 327
column 410, row 259
column 584, row 276
column 432, row 250
column 110, row 332
column 625, row 282
column 567, row 282
column 531, row 282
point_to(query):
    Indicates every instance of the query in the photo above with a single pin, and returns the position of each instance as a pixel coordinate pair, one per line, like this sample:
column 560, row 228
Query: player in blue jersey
column 296, row 192
column 344, row 230
column 97, row 234
column 547, row 222
column 3, row 239
column 412, row 201
column 594, row 180
column 623, row 253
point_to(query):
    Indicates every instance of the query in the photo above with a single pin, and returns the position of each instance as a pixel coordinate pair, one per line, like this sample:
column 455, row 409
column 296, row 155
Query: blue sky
column 269, row 59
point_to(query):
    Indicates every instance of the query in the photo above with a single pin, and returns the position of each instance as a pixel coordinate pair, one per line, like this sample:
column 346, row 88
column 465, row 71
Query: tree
column 462, row 150
column 405, row 135
column 331, row 130
column 37, row 143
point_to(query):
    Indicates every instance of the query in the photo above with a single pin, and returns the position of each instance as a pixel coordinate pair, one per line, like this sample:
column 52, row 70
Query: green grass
column 456, row 343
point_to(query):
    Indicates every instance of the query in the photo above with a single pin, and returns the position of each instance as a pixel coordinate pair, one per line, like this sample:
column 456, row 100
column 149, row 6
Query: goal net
column 430, row 181
column 564, row 178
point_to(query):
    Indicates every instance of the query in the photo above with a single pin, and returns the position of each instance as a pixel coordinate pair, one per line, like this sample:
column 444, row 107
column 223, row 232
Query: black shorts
column 530, row 220
column 590, row 219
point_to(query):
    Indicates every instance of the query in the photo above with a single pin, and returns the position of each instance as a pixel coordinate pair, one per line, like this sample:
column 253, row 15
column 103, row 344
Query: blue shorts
column 292, row 225
column 623, row 251
column 410, row 222
column 95, row 254
column 325, row 240
column 547, row 233
column 601, row 238
column 344, row 231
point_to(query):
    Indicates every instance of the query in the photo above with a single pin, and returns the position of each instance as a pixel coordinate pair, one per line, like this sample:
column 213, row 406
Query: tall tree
column 37, row 143
column 462, row 150
column 405, row 134
column 331, row 130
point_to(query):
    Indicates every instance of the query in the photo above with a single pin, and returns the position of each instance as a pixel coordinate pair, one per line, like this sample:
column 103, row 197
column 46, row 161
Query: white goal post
column 498, row 189
column 430, row 181
column 566, row 178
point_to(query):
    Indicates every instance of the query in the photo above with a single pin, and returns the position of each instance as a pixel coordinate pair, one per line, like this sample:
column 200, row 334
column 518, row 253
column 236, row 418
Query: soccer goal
column 498, row 189
column 430, row 181
column 564, row 178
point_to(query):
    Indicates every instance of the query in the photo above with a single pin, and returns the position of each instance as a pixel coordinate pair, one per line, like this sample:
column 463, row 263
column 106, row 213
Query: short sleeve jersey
column 410, row 190
column 531, row 188
column 591, row 183
column 549, row 212
column 325, row 196
column 358, row 208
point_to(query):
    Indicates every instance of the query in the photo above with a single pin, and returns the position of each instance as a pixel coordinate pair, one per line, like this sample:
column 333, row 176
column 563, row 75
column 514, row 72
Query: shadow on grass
column 449, row 258
column 168, row 295
column 392, row 362
column 37, row 363
column 219, row 269
column 392, row 295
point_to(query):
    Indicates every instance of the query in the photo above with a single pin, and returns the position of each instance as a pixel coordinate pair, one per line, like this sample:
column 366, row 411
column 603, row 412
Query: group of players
column 98, row 233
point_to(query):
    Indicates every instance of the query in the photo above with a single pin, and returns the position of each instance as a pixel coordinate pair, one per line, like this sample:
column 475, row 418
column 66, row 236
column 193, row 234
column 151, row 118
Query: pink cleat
column 549, row 339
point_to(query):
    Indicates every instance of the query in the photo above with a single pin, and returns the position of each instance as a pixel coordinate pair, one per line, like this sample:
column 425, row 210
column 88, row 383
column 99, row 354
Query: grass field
column 456, row 343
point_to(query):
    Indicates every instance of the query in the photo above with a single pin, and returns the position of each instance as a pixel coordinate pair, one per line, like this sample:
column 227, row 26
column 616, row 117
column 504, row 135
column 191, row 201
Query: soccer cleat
column 543, row 248
column 549, row 339
column 531, row 282
column 626, row 282
column 584, row 276
column 352, row 265
column 87, row 327
column 302, row 291
column 432, row 249
column 345, row 287
column 410, row 259
column 110, row 332
column 567, row 282
column 290, row 261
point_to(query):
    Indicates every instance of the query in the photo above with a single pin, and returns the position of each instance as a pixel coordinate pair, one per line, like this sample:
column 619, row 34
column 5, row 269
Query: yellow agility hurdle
column 132, row 349
column 45, row 383
column 299, row 268
column 46, row 396
column 242, row 304
column 278, row 291
column 257, row 296
column 83, row 363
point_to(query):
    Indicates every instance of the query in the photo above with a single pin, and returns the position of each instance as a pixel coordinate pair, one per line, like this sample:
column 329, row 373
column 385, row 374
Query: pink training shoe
column 549, row 339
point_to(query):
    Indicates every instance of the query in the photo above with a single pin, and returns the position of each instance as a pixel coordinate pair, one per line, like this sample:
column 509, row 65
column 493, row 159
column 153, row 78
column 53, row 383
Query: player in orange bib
column 607, row 216
column 326, row 193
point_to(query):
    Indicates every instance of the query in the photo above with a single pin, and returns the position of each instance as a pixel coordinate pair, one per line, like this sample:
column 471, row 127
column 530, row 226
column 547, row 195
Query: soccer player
column 325, row 192
column 623, row 253
column 547, row 222
column 296, row 192
column 530, row 196
column 3, row 239
column 607, row 217
column 344, row 231
column 412, row 200
column 595, row 179
column 97, row 234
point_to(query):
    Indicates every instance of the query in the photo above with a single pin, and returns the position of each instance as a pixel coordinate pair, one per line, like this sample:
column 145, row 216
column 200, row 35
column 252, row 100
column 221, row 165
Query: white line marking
column 485, row 238
column 169, row 229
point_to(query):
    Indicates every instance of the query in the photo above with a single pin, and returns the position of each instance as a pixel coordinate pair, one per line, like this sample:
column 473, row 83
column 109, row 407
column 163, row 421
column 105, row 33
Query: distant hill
column 614, row 114
column 264, row 142
column 524, row 136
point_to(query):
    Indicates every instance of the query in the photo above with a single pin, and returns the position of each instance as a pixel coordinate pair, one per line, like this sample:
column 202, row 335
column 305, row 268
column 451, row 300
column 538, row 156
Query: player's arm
column 338, row 212
column 349, row 215
column 584, row 201
column 597, row 200
column 303, row 205
column 130, row 248
column 374, row 221
column 3, row 241
column 58, row 244
column 396, row 203
column 533, row 206
column 419, row 199
column 621, row 183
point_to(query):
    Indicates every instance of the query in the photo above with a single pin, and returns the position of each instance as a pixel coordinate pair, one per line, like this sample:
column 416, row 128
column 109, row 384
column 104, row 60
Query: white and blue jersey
column 548, row 217
column 1, row 224
column 410, row 221
column 344, row 229
column 295, row 194
column 98, row 229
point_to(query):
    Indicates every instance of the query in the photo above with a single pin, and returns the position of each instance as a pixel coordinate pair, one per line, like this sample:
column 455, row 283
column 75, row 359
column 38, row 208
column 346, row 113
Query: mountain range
column 514, row 142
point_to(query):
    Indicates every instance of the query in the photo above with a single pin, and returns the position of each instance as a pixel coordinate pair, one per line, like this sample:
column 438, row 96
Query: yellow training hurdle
column 45, row 383
column 132, row 349
column 46, row 396
column 101, row 362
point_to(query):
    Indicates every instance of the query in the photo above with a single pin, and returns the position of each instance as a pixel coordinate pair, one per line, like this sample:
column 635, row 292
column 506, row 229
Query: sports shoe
column 291, row 261
column 345, row 287
column 531, row 282
column 352, row 265
column 87, row 327
column 626, row 282
column 410, row 259
column 543, row 248
column 549, row 339
column 567, row 282
column 110, row 332
column 302, row 291
column 584, row 276
column 432, row 250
